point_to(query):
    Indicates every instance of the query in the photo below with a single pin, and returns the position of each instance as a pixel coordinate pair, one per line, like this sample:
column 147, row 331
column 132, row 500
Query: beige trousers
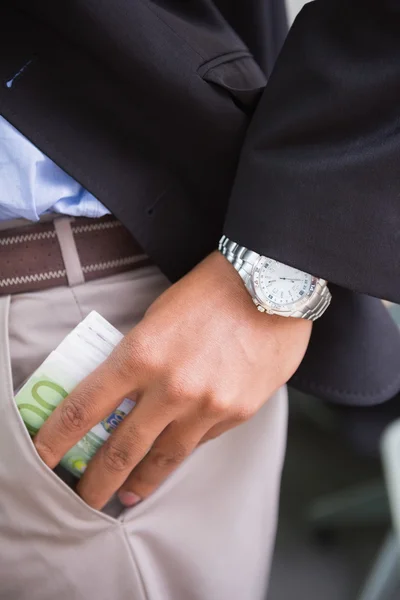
column 206, row 534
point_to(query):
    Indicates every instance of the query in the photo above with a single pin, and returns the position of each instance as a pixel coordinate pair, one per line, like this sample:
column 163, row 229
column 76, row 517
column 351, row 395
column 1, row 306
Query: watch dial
column 279, row 285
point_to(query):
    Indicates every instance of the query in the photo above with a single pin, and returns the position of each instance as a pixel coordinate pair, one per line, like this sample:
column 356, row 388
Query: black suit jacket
column 160, row 109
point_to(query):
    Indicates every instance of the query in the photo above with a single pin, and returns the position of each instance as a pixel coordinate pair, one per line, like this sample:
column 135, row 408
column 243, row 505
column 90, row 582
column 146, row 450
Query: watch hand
column 290, row 279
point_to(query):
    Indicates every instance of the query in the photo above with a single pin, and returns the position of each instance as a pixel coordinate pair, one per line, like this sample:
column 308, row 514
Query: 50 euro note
column 47, row 387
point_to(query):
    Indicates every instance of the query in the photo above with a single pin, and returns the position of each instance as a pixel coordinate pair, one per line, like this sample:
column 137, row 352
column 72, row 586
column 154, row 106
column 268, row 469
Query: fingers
column 124, row 449
column 171, row 448
column 218, row 430
column 91, row 401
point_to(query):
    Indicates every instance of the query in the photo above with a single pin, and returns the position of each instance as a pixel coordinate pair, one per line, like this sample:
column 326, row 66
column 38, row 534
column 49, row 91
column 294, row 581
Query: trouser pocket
column 52, row 545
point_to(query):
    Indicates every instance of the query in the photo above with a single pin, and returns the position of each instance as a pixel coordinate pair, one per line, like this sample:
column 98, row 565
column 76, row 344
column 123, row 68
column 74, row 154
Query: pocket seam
column 221, row 59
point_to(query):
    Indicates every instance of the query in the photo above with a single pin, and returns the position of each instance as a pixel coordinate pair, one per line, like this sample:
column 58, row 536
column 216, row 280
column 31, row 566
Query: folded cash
column 86, row 347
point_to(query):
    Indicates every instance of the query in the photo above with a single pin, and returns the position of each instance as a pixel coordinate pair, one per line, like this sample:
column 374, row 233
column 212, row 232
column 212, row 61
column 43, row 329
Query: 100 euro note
column 49, row 385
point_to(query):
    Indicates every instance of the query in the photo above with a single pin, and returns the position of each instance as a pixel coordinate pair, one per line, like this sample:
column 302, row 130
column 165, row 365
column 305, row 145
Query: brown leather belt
column 31, row 257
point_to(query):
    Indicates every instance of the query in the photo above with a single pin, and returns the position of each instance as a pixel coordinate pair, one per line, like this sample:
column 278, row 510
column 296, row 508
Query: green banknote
column 44, row 391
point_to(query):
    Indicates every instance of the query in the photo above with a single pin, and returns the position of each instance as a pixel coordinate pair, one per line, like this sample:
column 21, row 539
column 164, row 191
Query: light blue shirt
column 31, row 184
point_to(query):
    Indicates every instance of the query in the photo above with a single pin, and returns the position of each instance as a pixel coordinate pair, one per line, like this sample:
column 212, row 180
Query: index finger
column 89, row 403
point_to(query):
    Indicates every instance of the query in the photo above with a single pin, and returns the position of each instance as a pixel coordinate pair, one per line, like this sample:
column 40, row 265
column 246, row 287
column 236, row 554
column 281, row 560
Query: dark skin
column 201, row 361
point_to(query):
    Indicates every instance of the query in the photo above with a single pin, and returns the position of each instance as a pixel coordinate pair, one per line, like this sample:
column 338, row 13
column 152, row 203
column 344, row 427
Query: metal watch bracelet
column 244, row 260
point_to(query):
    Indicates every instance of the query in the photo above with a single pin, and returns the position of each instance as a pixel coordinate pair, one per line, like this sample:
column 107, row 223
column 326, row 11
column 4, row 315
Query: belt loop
column 69, row 251
column 5, row 362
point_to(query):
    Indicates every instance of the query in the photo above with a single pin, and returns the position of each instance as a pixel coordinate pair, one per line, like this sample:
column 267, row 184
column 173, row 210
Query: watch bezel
column 271, row 307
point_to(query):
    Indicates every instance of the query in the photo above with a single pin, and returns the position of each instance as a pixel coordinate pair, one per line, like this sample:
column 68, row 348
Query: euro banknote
column 84, row 349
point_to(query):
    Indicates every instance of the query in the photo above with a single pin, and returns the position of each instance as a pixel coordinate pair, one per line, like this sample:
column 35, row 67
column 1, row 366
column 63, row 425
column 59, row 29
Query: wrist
column 277, row 288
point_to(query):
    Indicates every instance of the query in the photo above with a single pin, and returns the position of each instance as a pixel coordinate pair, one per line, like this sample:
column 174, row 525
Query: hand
column 201, row 361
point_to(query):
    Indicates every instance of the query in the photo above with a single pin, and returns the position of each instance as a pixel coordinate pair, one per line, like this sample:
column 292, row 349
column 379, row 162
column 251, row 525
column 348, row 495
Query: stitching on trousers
column 78, row 306
column 138, row 573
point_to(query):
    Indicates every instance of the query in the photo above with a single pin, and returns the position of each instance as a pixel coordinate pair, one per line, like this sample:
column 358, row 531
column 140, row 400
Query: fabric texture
column 151, row 106
column 324, row 148
column 208, row 532
column 32, row 184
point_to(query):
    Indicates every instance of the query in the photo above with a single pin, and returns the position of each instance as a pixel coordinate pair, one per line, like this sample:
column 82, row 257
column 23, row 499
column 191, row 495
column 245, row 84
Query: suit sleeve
column 318, row 182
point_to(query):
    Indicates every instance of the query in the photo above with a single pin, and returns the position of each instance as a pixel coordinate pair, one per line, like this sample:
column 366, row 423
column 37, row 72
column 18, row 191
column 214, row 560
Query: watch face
column 280, row 287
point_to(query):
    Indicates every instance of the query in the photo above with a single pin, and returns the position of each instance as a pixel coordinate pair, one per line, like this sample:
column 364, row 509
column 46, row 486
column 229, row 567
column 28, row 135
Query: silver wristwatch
column 275, row 287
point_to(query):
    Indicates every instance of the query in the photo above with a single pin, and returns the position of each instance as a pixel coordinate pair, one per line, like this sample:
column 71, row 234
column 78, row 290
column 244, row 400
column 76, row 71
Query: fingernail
column 128, row 498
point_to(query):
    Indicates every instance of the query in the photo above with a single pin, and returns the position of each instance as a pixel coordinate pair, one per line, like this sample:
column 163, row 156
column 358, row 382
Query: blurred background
column 334, row 537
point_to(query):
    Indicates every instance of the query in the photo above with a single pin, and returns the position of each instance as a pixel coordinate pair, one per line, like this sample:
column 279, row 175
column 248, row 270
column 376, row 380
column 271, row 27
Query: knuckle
column 73, row 415
column 180, row 389
column 243, row 413
column 175, row 400
column 164, row 459
column 216, row 405
column 116, row 458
